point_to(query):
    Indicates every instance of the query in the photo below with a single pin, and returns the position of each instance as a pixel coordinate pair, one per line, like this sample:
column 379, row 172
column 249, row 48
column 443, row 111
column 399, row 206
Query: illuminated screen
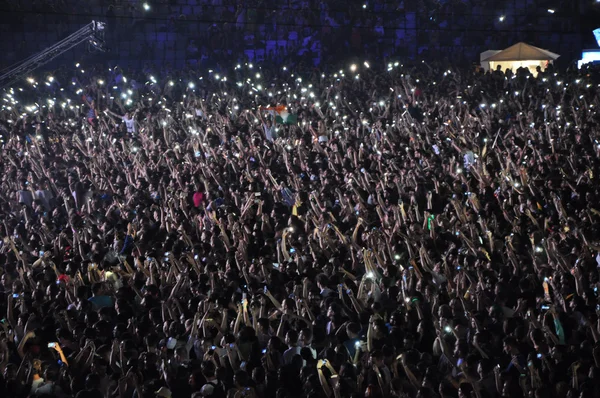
column 589, row 56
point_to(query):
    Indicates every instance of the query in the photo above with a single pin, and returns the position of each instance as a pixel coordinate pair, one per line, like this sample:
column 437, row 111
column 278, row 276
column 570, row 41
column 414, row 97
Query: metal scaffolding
column 93, row 33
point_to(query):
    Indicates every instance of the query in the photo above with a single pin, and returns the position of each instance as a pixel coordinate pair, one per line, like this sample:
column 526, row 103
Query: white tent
column 485, row 55
column 516, row 56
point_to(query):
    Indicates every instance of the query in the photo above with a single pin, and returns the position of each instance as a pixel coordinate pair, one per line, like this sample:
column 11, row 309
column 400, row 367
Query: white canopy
column 516, row 56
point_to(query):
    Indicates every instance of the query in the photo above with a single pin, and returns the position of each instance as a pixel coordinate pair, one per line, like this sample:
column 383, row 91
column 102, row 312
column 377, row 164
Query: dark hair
column 208, row 369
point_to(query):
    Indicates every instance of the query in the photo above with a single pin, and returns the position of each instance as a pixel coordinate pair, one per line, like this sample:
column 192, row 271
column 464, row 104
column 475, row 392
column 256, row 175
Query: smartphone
column 232, row 345
column 51, row 345
column 265, row 290
column 16, row 295
column 214, row 347
column 257, row 194
column 546, row 307
column 264, row 351
column 292, row 250
column 42, row 253
column 539, row 356
column 276, row 265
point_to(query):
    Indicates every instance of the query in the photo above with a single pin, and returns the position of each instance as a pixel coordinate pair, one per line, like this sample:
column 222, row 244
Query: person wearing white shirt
column 305, row 340
column 128, row 119
column 291, row 339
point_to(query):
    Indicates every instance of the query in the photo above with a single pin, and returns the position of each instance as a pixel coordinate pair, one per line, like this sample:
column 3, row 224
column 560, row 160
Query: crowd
column 413, row 231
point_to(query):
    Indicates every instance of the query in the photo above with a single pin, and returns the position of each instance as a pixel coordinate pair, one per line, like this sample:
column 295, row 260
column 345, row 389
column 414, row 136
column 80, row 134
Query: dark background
column 179, row 32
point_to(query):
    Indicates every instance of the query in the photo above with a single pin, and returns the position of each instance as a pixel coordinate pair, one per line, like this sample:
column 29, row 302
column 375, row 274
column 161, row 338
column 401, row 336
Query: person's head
column 352, row 330
column 510, row 346
column 51, row 373
column 291, row 338
column 376, row 357
column 322, row 281
column 98, row 289
column 241, row 379
column 305, row 337
column 208, row 369
column 485, row 367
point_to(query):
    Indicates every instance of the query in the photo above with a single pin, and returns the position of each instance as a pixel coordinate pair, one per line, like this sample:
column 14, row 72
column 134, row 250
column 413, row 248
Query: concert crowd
column 376, row 230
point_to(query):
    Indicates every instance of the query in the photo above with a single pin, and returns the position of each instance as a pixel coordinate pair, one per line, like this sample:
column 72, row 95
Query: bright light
column 353, row 67
column 50, row 79
column 146, row 7
column 501, row 18
column 551, row 11
column 370, row 275
column 171, row 83
column 101, row 82
column 191, row 85
column 364, row 6
column 367, row 64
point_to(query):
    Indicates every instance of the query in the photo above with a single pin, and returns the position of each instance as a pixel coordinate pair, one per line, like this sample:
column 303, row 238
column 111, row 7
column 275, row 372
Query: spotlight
column 146, row 7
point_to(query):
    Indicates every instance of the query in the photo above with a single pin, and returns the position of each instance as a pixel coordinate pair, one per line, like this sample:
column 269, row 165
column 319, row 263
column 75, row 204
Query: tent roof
column 488, row 53
column 523, row 52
